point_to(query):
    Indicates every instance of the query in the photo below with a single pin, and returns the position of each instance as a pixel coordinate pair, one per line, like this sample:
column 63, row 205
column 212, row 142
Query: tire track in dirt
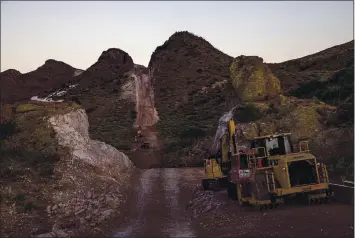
column 158, row 206
column 144, row 192
column 178, row 225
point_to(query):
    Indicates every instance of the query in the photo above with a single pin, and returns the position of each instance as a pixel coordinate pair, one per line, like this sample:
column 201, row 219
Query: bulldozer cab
column 272, row 145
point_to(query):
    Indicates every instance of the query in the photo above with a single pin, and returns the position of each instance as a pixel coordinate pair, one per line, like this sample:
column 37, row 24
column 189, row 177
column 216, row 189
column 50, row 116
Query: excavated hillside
column 106, row 91
column 327, row 75
column 189, row 76
column 49, row 77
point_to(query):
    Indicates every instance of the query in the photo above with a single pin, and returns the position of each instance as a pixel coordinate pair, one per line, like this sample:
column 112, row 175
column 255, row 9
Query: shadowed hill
column 51, row 76
column 99, row 92
column 189, row 76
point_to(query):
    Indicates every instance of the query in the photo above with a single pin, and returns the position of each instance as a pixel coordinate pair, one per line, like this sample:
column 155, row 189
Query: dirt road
column 170, row 202
column 158, row 209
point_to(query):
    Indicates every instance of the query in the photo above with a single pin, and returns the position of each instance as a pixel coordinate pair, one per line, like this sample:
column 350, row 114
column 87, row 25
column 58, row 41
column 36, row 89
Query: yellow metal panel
column 231, row 128
column 224, row 148
column 281, row 174
column 231, row 135
column 305, row 188
column 212, row 169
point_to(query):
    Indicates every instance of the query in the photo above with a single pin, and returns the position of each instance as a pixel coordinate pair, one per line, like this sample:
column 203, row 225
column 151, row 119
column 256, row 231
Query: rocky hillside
column 189, row 85
column 54, row 179
column 189, row 76
column 320, row 66
column 327, row 75
column 195, row 84
column 51, row 76
column 106, row 91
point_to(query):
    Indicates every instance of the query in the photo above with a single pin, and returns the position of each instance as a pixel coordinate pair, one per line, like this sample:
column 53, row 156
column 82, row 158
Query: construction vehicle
column 218, row 167
column 270, row 171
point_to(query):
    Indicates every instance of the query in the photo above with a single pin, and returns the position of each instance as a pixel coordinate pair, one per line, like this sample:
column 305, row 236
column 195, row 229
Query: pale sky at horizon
column 77, row 32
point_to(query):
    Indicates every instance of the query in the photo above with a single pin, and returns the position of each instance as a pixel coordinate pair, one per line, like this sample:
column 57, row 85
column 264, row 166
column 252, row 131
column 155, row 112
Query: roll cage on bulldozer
column 268, row 172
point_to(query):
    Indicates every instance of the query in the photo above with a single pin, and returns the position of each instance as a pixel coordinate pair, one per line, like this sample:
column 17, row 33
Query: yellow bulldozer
column 267, row 173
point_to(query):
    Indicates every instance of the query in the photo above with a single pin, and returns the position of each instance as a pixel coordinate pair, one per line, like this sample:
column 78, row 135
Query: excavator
column 268, row 172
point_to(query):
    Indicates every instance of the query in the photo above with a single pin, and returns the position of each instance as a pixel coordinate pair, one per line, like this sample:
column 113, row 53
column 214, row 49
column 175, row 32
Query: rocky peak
column 187, row 38
column 185, row 42
column 112, row 64
column 116, row 56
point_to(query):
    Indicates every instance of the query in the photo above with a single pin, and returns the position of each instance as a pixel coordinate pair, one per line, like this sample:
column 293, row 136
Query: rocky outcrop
column 72, row 132
column 253, row 80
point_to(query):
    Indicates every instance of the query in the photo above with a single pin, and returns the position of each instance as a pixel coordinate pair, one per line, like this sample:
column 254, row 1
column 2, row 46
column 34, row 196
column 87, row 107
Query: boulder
column 253, row 80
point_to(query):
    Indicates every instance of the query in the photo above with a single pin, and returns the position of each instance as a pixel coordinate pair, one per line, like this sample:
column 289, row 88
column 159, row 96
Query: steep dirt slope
column 51, row 76
column 188, row 76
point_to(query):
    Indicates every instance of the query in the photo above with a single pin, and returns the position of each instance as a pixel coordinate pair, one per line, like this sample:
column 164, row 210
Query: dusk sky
column 78, row 32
